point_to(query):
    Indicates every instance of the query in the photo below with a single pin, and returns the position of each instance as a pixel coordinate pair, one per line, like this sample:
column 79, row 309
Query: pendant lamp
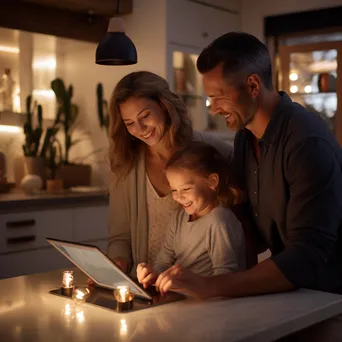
column 116, row 48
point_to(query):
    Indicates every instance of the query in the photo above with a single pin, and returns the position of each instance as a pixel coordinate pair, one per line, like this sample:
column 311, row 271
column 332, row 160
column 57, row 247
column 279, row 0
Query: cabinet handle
column 19, row 224
column 21, row 239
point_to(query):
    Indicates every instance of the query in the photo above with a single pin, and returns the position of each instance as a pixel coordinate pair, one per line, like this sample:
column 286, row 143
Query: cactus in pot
column 32, row 135
column 54, row 159
column 33, row 163
column 102, row 108
column 67, row 114
column 52, row 162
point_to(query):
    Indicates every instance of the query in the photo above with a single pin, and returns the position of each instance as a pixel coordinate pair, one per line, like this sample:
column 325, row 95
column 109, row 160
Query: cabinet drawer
column 90, row 223
column 29, row 262
column 197, row 25
column 27, row 230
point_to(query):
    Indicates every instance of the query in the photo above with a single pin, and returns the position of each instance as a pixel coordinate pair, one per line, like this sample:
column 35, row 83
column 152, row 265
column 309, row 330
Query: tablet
column 96, row 265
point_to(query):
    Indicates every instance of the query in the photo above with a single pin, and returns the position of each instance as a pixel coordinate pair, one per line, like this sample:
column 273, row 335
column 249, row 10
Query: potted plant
column 102, row 108
column 53, row 183
column 34, row 160
column 67, row 113
column 33, row 163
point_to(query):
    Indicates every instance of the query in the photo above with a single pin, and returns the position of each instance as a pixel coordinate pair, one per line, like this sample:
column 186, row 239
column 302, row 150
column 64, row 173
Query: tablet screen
column 94, row 263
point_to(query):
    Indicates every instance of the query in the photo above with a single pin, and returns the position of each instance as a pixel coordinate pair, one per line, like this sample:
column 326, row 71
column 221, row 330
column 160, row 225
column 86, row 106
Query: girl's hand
column 179, row 279
column 146, row 274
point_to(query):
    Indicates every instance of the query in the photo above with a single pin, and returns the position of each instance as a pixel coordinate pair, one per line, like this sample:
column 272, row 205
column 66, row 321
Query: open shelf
column 17, row 119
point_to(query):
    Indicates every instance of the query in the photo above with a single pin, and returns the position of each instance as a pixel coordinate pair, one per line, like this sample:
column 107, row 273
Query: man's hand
column 122, row 263
column 146, row 274
column 182, row 280
column 262, row 278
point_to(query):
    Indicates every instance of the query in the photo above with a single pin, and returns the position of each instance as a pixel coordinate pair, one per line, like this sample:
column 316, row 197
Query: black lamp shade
column 116, row 49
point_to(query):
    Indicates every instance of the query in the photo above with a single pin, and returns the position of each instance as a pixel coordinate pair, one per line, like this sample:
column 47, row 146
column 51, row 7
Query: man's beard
column 253, row 109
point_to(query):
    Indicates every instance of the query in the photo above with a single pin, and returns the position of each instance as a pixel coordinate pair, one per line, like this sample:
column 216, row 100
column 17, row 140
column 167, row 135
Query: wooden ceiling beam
column 100, row 7
column 53, row 21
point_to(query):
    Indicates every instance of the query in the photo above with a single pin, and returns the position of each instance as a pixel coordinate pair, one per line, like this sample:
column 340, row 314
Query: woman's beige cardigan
column 128, row 215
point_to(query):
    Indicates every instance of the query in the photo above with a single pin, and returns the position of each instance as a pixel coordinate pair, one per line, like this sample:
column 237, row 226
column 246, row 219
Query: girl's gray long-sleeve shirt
column 212, row 244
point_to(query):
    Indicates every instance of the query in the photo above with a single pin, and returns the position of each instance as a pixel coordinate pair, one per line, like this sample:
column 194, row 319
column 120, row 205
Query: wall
column 253, row 12
column 146, row 26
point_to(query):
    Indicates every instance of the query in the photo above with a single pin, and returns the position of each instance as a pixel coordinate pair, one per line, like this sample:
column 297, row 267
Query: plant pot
column 54, row 185
column 74, row 175
column 34, row 166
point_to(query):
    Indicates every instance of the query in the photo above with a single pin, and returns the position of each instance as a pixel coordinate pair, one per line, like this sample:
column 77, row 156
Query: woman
column 148, row 123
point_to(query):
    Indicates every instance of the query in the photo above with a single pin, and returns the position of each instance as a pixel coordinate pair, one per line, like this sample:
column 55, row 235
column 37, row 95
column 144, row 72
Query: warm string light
column 293, row 89
column 293, row 76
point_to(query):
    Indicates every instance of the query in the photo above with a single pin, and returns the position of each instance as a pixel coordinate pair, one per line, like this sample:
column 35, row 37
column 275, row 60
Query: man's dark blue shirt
column 295, row 192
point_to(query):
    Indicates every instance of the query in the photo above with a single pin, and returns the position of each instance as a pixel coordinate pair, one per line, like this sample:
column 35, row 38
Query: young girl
column 205, row 236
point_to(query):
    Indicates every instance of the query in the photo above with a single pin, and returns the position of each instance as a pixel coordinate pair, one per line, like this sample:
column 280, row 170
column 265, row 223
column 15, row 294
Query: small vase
column 54, row 185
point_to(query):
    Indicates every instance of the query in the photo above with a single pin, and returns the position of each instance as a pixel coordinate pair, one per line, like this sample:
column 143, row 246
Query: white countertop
column 29, row 313
column 17, row 200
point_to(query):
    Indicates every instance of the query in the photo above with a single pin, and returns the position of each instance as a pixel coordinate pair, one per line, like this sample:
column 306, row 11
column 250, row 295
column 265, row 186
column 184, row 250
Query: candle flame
column 68, row 279
column 123, row 294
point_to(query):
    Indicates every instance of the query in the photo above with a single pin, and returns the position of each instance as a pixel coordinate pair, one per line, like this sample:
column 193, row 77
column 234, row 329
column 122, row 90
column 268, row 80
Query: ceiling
column 101, row 7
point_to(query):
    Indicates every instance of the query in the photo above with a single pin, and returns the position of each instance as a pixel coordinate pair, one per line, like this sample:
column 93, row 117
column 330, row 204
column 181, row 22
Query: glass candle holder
column 124, row 298
column 80, row 295
column 68, row 283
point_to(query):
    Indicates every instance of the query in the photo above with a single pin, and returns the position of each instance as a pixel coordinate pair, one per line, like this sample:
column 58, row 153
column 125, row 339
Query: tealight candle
column 124, row 298
column 68, row 283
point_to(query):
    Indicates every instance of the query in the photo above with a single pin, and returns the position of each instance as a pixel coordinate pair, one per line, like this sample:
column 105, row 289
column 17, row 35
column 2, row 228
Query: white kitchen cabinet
column 28, row 230
column 29, row 262
column 38, row 261
column 23, row 246
column 196, row 25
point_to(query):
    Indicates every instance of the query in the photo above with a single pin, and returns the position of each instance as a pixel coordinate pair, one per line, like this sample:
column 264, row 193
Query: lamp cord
column 117, row 7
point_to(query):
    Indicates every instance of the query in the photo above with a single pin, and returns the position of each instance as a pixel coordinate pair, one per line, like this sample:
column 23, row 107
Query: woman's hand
column 181, row 280
column 146, row 274
column 122, row 263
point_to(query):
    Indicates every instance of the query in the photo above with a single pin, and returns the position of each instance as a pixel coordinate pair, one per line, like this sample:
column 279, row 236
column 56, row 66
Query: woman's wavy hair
column 124, row 148
column 203, row 159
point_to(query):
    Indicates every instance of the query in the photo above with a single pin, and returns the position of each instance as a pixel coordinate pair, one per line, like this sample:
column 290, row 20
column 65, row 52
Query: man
column 290, row 169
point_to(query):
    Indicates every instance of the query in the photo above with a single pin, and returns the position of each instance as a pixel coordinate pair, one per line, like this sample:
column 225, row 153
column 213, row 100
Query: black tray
column 105, row 298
